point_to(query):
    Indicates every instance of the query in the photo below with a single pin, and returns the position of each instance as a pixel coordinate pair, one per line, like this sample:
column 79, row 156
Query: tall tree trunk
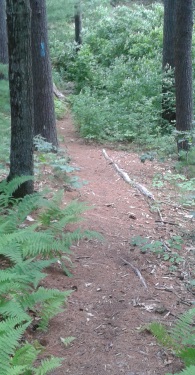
column 3, row 34
column 21, row 95
column 168, row 64
column 78, row 24
column 183, row 68
column 44, row 111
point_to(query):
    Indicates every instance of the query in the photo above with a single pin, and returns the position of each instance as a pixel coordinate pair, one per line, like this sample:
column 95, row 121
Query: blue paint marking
column 43, row 49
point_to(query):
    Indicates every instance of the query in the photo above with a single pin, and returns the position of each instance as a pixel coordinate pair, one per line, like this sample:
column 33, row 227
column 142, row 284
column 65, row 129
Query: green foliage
column 27, row 249
column 118, row 71
column 58, row 160
column 168, row 251
column 180, row 338
column 60, row 108
column 186, row 163
column 67, row 341
column 188, row 371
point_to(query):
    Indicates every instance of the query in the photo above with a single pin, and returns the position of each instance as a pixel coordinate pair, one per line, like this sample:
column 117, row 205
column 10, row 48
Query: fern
column 46, row 303
column 180, row 338
column 54, row 300
column 32, row 269
column 25, row 355
column 11, row 331
column 28, row 250
column 13, row 309
column 188, row 371
column 183, row 332
column 48, row 365
column 7, row 189
column 161, row 334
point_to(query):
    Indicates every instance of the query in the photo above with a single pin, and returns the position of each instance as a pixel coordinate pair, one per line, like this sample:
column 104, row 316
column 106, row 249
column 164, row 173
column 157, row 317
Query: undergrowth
column 180, row 339
column 33, row 236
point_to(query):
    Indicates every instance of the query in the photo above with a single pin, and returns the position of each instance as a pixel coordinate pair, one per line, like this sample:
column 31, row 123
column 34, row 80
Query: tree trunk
column 183, row 68
column 168, row 65
column 169, row 34
column 3, row 34
column 20, row 81
column 78, row 25
column 44, row 111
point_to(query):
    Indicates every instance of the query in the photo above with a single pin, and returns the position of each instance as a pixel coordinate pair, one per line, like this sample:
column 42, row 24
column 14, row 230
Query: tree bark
column 183, row 68
column 78, row 25
column 21, row 94
column 169, row 34
column 44, row 111
column 3, row 34
column 168, row 64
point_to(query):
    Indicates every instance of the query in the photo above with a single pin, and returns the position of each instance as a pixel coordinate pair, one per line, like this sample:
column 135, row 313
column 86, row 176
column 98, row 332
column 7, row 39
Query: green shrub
column 118, row 76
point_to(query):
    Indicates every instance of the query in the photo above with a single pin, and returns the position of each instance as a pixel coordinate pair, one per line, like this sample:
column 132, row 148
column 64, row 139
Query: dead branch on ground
column 127, row 179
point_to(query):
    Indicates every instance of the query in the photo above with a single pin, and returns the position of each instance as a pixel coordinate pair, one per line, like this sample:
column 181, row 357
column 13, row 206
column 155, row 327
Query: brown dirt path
column 109, row 303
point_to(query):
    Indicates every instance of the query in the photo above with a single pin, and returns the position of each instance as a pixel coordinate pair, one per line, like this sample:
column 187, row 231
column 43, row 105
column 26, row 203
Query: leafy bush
column 118, row 71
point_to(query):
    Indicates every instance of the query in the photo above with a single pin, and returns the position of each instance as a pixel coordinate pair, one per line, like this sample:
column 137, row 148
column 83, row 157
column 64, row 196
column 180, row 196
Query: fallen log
column 127, row 179
column 57, row 93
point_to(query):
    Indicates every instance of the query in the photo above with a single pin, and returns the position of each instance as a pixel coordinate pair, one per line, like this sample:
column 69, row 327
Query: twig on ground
column 166, row 222
column 161, row 218
column 137, row 272
column 127, row 179
column 166, row 289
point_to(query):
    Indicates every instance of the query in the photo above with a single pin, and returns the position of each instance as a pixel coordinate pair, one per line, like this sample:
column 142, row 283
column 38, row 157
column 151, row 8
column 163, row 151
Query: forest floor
column 110, row 302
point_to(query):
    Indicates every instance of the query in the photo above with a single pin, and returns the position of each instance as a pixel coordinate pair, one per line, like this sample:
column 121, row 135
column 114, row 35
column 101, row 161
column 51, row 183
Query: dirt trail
column 109, row 302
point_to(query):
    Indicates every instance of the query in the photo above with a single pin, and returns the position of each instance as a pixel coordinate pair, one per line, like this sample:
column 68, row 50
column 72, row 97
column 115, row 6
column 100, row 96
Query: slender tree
column 183, row 68
column 21, row 94
column 169, row 34
column 78, row 24
column 3, row 34
column 168, row 64
column 44, row 111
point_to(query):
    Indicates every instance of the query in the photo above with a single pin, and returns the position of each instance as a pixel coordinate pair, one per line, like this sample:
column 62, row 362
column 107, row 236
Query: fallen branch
column 127, row 179
column 165, row 222
column 137, row 272
column 57, row 93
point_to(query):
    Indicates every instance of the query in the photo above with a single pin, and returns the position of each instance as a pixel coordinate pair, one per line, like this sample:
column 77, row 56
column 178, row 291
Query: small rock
column 132, row 216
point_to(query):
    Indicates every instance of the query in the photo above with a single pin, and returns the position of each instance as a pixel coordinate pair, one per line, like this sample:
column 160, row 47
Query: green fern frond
column 183, row 332
column 32, row 269
column 27, row 205
column 161, row 334
column 41, row 296
column 11, row 251
column 11, row 282
column 54, row 301
column 8, row 188
column 7, row 224
column 48, row 365
column 13, row 309
column 17, row 370
column 25, row 356
column 188, row 371
column 53, row 211
column 11, row 331
column 188, row 356
column 67, row 341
